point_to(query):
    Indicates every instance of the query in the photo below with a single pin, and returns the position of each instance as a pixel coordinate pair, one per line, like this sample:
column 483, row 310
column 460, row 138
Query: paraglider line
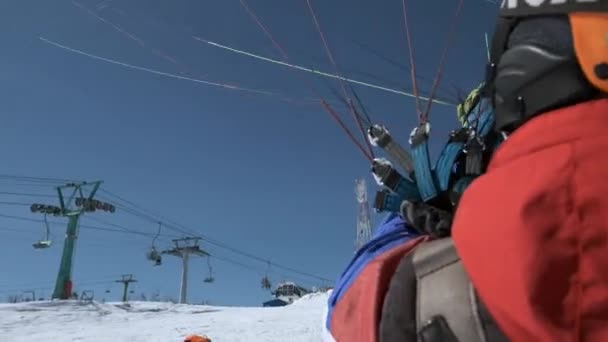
column 127, row 34
column 412, row 63
column 336, row 117
column 156, row 72
column 450, row 40
column 285, row 56
column 330, row 55
column 317, row 72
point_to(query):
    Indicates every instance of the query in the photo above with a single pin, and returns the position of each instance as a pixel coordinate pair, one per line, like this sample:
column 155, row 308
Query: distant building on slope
column 285, row 294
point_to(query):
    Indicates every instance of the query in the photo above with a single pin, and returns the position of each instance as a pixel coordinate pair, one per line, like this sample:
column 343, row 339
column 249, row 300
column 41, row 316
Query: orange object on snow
column 532, row 232
column 197, row 338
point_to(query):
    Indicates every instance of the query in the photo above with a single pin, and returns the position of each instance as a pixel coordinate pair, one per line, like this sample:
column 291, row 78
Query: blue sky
column 270, row 178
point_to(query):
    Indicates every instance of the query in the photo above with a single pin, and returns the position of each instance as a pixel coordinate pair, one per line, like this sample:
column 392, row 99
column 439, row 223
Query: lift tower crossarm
column 126, row 280
column 183, row 249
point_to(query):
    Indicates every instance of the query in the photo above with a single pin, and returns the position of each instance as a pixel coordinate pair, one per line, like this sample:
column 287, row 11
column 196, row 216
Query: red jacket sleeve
column 533, row 231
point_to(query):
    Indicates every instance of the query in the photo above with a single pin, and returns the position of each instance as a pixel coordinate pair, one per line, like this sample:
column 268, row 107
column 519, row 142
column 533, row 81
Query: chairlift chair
column 42, row 244
column 153, row 254
column 209, row 279
column 46, row 241
column 265, row 282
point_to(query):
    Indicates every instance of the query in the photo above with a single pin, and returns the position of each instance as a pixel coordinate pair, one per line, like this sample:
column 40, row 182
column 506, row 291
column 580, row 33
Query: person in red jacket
column 532, row 232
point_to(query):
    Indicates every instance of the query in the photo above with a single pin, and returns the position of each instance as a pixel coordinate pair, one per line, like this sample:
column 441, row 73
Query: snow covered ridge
column 68, row 321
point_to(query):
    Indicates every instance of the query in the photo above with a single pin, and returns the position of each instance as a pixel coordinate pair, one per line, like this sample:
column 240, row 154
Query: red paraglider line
column 336, row 117
column 353, row 111
column 410, row 49
column 189, row 72
column 324, row 103
column 449, row 41
column 264, row 29
column 131, row 36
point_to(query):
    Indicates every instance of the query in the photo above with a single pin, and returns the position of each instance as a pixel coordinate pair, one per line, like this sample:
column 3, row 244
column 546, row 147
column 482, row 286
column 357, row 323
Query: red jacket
column 533, row 231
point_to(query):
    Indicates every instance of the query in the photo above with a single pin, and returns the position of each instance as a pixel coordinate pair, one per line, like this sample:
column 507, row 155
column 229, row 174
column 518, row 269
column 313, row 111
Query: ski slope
column 149, row 321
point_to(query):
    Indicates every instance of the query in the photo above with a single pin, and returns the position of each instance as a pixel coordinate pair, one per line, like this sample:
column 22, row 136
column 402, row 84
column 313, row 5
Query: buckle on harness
column 460, row 135
column 380, row 136
column 387, row 176
column 437, row 330
column 420, row 134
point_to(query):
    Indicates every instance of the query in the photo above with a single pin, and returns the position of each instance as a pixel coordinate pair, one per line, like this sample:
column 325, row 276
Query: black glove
column 427, row 219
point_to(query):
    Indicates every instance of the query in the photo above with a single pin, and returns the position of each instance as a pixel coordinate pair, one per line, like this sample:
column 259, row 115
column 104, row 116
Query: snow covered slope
column 162, row 322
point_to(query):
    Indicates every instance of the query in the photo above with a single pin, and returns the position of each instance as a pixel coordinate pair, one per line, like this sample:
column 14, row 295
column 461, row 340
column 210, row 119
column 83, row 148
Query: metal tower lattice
column 364, row 226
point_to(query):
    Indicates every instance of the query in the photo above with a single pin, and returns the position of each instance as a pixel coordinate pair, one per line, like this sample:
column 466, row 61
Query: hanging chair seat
column 266, row 284
column 45, row 242
column 42, row 244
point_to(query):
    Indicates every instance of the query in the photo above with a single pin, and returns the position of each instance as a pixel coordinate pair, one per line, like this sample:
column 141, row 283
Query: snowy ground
column 162, row 322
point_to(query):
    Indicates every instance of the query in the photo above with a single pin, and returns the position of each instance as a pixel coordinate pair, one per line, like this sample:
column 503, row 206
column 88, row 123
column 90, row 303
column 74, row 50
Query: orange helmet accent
column 197, row 338
column 590, row 34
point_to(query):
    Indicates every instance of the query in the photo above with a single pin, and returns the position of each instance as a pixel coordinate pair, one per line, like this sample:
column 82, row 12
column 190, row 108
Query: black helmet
column 546, row 54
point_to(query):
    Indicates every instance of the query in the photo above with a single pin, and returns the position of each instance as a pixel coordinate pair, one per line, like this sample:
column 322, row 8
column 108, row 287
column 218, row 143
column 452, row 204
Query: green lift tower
column 75, row 199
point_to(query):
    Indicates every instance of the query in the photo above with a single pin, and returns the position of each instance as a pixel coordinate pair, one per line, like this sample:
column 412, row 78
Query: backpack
column 431, row 299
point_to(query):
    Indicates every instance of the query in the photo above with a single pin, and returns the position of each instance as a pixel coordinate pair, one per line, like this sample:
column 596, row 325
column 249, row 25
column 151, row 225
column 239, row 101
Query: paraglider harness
column 434, row 267
column 427, row 198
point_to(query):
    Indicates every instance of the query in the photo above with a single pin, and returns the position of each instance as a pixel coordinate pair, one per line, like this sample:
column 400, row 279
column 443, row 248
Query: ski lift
column 209, row 279
column 265, row 283
column 153, row 254
column 46, row 241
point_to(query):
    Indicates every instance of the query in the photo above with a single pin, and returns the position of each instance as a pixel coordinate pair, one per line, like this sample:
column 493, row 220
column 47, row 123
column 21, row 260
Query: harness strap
column 431, row 299
column 387, row 201
column 447, row 158
column 458, row 189
column 448, row 308
column 422, row 162
column 468, row 141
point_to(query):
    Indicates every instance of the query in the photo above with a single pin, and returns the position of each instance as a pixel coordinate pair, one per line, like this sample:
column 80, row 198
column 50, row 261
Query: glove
column 427, row 219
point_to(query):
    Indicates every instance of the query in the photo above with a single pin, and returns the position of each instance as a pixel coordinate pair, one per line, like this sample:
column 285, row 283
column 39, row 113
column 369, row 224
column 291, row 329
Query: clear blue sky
column 263, row 176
